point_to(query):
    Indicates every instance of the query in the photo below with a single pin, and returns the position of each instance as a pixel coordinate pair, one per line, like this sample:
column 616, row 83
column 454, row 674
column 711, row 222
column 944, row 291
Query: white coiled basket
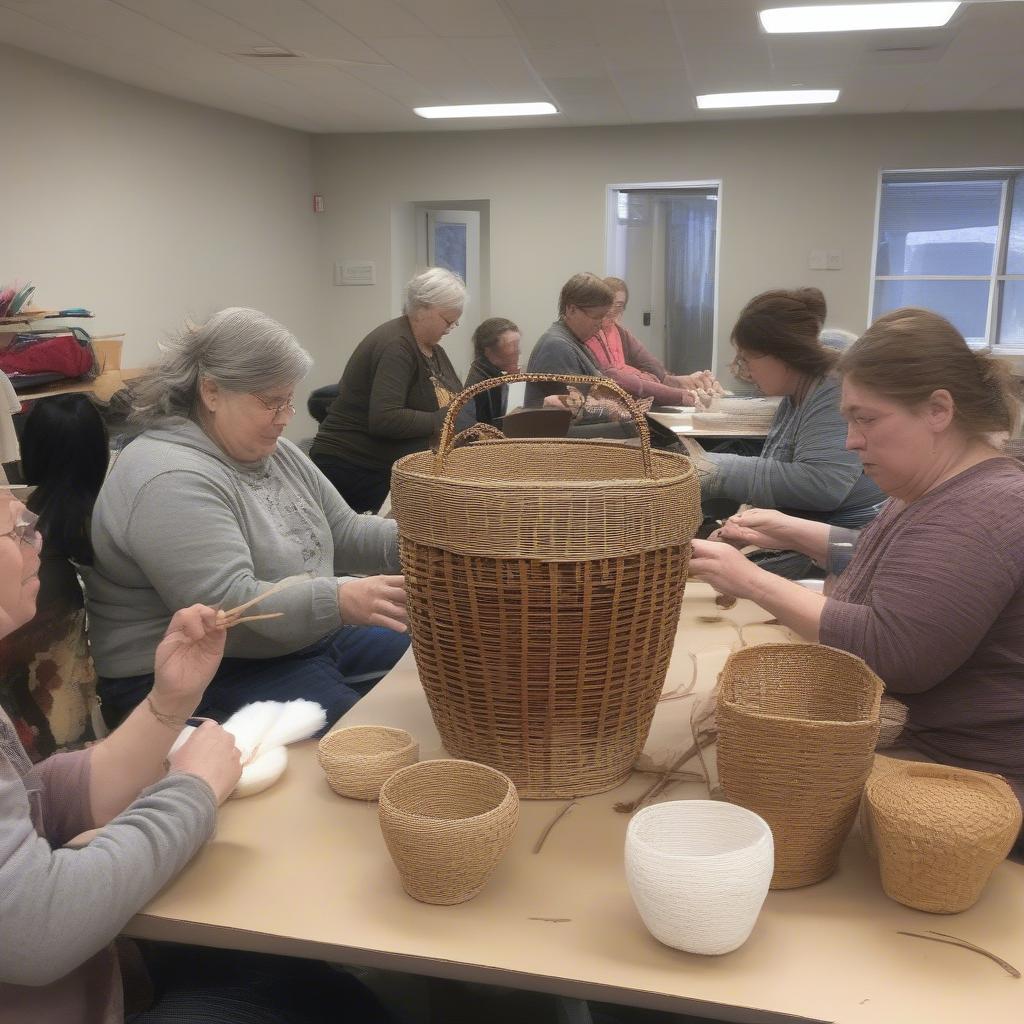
column 698, row 871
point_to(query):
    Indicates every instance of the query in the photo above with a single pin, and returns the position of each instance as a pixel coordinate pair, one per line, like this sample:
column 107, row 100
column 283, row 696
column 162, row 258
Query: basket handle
column 479, row 430
column 447, row 439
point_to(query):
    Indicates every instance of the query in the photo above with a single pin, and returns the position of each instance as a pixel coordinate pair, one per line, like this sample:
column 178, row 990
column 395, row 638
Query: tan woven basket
column 358, row 760
column 544, row 582
column 446, row 824
column 939, row 832
column 797, row 725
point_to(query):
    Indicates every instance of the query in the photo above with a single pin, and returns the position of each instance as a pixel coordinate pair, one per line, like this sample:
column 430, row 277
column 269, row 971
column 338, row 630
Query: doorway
column 662, row 241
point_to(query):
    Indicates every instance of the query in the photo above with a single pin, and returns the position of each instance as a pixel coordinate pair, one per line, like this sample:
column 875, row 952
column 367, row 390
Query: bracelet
column 175, row 722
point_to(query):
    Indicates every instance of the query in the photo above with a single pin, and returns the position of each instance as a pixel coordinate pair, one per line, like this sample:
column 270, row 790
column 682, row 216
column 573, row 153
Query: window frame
column 996, row 279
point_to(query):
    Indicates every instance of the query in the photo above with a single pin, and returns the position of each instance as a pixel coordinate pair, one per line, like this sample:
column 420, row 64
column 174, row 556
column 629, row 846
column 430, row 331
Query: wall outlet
column 835, row 259
column 817, row 259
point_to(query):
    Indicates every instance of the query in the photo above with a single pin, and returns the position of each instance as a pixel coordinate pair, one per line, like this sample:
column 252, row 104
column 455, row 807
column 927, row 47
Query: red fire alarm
column 318, row 203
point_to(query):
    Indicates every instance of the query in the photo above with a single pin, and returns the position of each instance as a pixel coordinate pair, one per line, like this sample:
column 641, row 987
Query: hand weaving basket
column 938, row 832
column 797, row 725
column 544, row 580
column 446, row 824
column 358, row 760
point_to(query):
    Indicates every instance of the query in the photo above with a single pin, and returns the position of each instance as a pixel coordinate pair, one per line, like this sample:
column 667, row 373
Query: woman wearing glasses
column 212, row 505
column 393, row 394
column 805, row 467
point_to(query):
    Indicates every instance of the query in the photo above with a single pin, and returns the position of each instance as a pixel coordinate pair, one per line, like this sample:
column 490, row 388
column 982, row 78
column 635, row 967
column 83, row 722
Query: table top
column 682, row 424
column 298, row 870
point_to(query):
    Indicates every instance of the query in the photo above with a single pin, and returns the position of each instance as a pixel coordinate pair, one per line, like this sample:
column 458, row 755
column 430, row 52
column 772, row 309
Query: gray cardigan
column 804, row 466
column 60, row 909
column 179, row 522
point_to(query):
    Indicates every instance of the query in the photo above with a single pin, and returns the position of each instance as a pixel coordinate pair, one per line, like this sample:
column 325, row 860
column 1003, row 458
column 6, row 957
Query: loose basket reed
column 938, row 832
column 358, row 760
column 544, row 581
column 446, row 824
column 797, row 725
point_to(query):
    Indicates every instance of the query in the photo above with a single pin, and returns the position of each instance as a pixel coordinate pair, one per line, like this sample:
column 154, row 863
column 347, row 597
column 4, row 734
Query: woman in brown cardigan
column 393, row 393
column 933, row 596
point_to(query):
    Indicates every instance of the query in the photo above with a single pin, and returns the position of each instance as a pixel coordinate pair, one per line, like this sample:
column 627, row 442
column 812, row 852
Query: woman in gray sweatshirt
column 212, row 505
column 804, row 467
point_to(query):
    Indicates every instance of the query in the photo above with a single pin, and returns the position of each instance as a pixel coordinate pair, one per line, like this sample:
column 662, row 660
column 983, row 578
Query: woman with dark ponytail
column 932, row 597
column 804, row 466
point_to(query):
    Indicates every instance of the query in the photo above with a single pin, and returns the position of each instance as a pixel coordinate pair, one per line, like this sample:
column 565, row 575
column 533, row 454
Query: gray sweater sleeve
column 202, row 556
column 363, row 545
column 59, row 907
column 818, row 478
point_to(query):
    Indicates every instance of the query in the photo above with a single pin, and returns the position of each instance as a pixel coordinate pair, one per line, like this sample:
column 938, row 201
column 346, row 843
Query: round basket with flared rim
column 446, row 824
column 359, row 759
column 797, row 727
column 698, row 871
column 938, row 832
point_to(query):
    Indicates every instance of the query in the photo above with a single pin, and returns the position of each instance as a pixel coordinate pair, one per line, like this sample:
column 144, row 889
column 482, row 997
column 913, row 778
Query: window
column 953, row 241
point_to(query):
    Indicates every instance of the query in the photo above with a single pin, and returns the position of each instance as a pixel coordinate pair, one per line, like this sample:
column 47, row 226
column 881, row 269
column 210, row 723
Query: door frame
column 611, row 219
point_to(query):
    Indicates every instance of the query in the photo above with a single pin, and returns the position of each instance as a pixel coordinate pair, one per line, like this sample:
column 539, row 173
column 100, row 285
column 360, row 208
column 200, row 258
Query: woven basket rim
column 405, row 464
column 499, row 807
column 764, row 833
column 743, row 709
column 325, row 748
column 953, row 776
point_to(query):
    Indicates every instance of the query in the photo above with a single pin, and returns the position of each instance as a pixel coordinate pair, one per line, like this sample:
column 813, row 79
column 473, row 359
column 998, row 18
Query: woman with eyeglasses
column 623, row 357
column 212, row 505
column 805, row 467
column 394, row 393
column 930, row 594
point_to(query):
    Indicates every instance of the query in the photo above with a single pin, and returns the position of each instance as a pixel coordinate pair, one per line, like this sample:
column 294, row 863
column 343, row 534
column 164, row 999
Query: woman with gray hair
column 211, row 505
column 394, row 393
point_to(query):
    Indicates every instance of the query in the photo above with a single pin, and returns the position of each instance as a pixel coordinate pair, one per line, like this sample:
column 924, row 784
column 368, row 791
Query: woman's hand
column 211, row 754
column 187, row 658
column 760, row 527
column 374, row 601
column 724, row 568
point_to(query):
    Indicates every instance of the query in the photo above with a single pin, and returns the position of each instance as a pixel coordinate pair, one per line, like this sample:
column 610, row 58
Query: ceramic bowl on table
column 698, row 872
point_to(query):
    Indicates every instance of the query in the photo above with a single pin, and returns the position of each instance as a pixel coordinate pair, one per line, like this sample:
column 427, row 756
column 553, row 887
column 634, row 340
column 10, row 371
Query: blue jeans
column 335, row 672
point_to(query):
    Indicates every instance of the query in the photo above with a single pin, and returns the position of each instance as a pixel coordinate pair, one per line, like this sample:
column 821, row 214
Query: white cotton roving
column 262, row 731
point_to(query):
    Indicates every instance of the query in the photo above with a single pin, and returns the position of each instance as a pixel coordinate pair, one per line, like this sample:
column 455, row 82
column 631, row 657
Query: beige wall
column 787, row 186
column 147, row 210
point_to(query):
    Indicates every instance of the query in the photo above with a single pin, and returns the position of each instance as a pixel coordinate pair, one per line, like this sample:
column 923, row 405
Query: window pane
column 1011, row 320
column 450, row 247
column 1015, row 246
column 937, row 227
column 965, row 303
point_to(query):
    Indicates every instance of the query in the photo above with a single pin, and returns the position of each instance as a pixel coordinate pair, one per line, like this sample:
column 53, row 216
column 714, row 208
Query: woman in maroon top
column 933, row 595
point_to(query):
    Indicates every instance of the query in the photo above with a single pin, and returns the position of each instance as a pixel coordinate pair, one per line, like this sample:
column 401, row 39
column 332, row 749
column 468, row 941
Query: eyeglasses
column 450, row 325
column 593, row 316
column 24, row 530
column 618, row 307
column 740, row 366
column 277, row 408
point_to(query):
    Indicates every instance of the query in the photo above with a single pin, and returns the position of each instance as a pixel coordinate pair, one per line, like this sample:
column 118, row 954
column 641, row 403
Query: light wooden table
column 681, row 424
column 298, row 870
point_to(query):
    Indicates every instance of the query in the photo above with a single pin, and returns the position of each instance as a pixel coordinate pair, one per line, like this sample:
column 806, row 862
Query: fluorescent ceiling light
column 857, row 17
column 773, row 98
column 488, row 110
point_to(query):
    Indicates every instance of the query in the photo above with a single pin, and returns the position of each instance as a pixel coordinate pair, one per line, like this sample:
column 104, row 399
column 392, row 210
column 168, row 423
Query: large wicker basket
column 544, row 582
column 938, row 832
column 797, row 725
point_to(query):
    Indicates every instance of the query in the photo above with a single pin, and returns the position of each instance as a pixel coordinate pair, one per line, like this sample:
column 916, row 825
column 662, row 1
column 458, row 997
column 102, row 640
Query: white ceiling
column 363, row 64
